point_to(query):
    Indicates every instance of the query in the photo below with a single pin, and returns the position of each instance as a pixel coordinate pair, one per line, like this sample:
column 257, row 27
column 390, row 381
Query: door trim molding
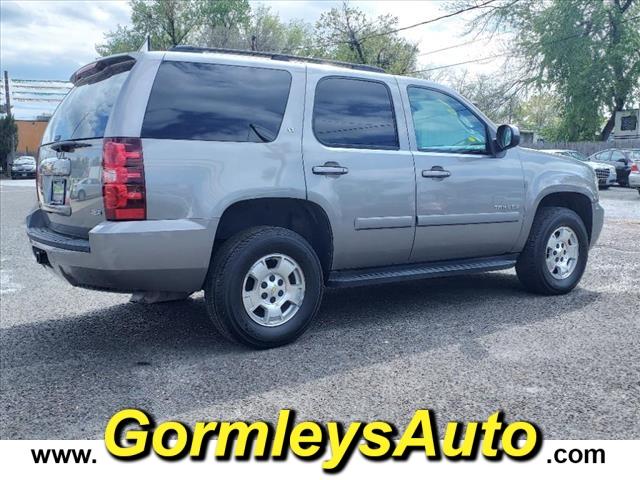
column 370, row 223
column 467, row 219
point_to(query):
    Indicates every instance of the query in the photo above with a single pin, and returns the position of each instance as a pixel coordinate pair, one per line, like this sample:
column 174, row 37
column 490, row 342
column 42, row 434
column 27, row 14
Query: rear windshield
column 85, row 110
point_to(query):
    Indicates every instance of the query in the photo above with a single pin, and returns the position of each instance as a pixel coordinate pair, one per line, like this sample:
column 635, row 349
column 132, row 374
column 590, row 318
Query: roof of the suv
column 277, row 56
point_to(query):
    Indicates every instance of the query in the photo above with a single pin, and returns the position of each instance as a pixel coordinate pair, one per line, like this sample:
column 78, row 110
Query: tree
column 8, row 138
column 172, row 22
column 348, row 34
column 262, row 31
column 345, row 33
column 541, row 112
column 588, row 51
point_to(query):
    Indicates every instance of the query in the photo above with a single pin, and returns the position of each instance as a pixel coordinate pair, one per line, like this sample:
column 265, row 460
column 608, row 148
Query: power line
column 478, row 60
column 451, row 47
column 425, row 22
column 400, row 29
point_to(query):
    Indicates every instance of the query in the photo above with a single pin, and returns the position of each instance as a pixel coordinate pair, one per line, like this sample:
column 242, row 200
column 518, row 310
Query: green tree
column 345, row 33
column 348, row 34
column 588, row 51
column 172, row 22
column 8, row 139
column 542, row 113
column 262, row 31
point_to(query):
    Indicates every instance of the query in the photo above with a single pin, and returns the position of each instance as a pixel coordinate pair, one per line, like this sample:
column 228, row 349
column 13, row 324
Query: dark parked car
column 620, row 159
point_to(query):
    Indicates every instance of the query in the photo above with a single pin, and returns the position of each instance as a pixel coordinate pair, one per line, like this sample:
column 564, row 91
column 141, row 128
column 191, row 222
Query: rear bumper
column 634, row 180
column 18, row 174
column 597, row 218
column 151, row 255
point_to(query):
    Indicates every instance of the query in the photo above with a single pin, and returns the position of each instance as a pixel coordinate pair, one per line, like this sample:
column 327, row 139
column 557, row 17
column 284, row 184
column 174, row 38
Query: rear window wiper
column 263, row 134
column 68, row 145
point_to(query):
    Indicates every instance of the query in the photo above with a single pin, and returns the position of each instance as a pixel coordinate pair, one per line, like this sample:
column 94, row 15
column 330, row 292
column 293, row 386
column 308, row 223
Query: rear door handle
column 329, row 168
column 436, row 172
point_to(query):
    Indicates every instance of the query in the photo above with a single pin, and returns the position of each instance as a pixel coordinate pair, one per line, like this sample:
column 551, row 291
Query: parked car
column 262, row 180
column 23, row 167
column 86, row 188
column 620, row 159
column 606, row 173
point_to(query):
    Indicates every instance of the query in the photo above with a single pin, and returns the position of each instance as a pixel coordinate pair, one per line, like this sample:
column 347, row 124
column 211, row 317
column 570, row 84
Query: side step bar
column 417, row 271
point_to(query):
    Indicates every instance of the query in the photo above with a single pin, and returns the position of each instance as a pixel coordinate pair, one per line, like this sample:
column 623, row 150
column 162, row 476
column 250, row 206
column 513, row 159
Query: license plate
column 58, row 188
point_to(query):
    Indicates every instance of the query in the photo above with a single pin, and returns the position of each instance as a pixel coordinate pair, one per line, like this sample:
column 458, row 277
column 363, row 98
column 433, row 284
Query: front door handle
column 436, row 172
column 330, row 168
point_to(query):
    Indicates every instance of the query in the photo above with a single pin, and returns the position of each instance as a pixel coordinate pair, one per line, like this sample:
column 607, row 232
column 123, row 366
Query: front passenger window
column 443, row 124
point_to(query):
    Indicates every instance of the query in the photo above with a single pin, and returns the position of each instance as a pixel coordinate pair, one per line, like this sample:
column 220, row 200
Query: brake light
column 123, row 187
column 634, row 167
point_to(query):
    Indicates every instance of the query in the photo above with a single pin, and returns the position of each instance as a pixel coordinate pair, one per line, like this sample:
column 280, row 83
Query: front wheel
column 264, row 287
column 555, row 255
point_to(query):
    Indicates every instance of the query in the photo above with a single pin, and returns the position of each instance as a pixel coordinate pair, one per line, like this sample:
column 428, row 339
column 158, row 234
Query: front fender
column 546, row 174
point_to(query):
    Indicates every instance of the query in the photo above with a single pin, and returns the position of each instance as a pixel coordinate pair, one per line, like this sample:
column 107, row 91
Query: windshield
column 25, row 161
column 576, row 155
column 85, row 110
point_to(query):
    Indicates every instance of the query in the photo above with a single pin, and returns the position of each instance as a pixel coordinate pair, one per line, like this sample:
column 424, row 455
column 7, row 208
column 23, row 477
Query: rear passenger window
column 202, row 101
column 354, row 113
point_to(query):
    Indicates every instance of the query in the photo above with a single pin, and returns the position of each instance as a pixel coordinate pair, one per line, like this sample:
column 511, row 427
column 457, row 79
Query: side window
column 617, row 156
column 443, row 124
column 227, row 103
column 354, row 113
column 603, row 156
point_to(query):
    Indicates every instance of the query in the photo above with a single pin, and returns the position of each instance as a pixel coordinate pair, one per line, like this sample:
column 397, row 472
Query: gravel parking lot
column 463, row 347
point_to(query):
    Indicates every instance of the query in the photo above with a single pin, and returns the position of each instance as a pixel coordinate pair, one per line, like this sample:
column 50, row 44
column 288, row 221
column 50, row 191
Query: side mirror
column 507, row 137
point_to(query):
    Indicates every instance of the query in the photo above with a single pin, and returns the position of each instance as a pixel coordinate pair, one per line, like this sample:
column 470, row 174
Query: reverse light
column 123, row 186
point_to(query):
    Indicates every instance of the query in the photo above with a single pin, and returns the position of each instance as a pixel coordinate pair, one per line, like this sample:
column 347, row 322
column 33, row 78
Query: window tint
column 443, row 124
column 85, row 110
column 201, row 101
column 354, row 113
column 617, row 156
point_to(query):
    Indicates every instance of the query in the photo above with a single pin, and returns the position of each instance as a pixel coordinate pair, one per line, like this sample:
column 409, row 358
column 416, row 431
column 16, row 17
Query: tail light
column 634, row 167
column 123, row 187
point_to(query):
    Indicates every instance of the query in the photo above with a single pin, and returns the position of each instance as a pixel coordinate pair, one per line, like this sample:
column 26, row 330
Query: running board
column 417, row 271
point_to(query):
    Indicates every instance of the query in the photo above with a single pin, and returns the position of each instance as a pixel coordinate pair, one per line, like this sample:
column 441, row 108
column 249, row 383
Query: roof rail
column 276, row 56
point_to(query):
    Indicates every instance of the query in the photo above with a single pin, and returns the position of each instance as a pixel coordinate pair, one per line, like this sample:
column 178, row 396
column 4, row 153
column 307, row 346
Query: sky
column 49, row 40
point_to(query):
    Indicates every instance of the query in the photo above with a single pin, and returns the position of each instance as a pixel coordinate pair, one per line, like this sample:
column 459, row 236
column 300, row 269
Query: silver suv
column 262, row 179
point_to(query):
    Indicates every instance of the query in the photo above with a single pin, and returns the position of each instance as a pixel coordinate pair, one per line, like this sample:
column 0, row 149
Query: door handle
column 436, row 172
column 329, row 168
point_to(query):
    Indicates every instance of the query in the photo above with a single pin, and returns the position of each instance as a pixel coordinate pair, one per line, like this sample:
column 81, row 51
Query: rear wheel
column 555, row 256
column 264, row 287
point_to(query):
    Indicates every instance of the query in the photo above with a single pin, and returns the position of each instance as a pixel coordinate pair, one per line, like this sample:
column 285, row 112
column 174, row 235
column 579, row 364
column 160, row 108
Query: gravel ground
column 463, row 347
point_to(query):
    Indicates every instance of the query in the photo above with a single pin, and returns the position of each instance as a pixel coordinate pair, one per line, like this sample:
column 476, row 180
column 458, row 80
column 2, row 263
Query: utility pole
column 8, row 108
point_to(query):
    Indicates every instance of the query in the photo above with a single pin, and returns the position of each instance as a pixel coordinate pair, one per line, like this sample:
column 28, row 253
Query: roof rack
column 276, row 56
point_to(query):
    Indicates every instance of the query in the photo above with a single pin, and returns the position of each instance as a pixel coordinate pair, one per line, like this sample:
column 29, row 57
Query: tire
column 82, row 196
column 229, row 280
column 604, row 187
column 531, row 265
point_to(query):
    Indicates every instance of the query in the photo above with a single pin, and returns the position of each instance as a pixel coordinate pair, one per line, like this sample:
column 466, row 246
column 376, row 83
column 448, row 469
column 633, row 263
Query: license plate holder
column 58, row 191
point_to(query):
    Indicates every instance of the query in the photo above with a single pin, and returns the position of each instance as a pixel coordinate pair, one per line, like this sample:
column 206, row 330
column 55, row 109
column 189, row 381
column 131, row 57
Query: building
column 627, row 125
column 30, row 135
column 32, row 104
